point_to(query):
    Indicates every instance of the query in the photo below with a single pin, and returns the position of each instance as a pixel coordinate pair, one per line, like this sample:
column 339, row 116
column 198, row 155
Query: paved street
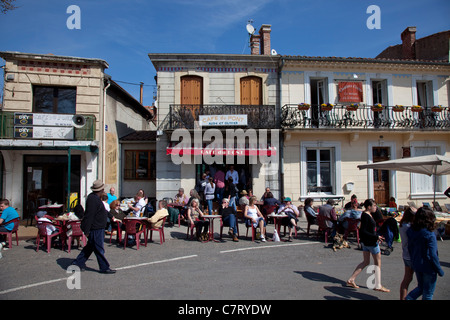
column 304, row 269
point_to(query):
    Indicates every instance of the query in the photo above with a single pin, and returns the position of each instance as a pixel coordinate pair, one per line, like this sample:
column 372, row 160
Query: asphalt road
column 186, row 270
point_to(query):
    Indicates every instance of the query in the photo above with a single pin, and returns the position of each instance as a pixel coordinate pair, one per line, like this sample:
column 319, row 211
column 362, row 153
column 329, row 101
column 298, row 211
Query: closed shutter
column 192, row 94
column 251, row 91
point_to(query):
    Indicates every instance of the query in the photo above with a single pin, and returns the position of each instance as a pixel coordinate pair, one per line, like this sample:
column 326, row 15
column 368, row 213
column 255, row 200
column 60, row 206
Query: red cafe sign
column 350, row 91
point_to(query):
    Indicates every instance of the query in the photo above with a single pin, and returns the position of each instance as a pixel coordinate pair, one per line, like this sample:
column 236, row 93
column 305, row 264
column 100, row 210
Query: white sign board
column 54, row 133
column 222, row 120
column 43, row 119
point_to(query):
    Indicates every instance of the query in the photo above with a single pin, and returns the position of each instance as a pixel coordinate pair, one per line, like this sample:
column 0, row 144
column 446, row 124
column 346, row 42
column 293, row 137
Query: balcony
column 82, row 133
column 187, row 116
column 364, row 118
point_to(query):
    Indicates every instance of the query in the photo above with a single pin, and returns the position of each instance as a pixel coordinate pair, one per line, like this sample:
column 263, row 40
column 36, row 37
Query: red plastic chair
column 352, row 226
column 160, row 230
column 190, row 228
column 10, row 233
column 322, row 223
column 115, row 226
column 42, row 233
column 266, row 210
column 249, row 224
column 75, row 226
column 133, row 228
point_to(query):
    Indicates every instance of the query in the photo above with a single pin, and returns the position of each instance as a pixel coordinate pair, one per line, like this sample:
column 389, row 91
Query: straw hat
column 244, row 192
column 98, row 185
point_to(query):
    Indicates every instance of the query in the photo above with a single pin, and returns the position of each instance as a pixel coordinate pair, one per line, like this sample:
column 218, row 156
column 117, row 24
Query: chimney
column 408, row 40
column 255, row 43
column 264, row 33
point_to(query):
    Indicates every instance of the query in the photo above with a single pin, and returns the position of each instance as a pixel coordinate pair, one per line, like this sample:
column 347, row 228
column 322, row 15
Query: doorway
column 381, row 181
column 45, row 179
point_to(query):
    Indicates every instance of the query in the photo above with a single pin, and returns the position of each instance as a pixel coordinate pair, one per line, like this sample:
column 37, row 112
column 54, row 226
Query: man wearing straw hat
column 93, row 226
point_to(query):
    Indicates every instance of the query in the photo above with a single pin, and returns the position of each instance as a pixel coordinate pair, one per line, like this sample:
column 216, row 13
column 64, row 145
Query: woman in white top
column 405, row 224
column 255, row 217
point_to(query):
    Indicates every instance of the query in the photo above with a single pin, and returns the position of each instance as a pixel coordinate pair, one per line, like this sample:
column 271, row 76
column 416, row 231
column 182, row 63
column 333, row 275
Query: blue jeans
column 233, row 203
column 230, row 221
column 426, row 283
column 210, row 205
column 94, row 245
column 219, row 194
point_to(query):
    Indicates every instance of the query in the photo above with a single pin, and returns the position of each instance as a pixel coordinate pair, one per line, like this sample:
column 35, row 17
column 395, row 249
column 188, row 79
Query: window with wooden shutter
column 251, row 91
column 192, row 93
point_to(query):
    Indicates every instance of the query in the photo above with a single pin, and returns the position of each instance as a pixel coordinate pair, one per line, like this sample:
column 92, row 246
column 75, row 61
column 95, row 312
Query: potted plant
column 304, row 106
column 416, row 108
column 352, row 107
column 377, row 107
column 438, row 108
column 326, row 107
column 398, row 108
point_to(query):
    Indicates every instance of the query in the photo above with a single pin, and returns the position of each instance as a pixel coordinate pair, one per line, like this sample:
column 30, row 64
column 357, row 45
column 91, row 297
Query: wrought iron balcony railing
column 85, row 132
column 364, row 117
column 187, row 116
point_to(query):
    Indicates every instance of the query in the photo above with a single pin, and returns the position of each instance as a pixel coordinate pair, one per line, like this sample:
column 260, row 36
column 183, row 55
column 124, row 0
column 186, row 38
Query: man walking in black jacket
column 93, row 226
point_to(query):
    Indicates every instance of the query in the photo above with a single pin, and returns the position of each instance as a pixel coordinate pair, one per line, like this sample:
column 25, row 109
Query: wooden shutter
column 191, row 90
column 251, row 91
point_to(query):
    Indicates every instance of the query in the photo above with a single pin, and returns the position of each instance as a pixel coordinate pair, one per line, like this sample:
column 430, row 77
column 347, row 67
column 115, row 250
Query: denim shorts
column 407, row 263
column 372, row 250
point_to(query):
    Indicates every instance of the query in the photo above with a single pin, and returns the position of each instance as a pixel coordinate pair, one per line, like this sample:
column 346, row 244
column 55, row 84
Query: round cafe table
column 211, row 218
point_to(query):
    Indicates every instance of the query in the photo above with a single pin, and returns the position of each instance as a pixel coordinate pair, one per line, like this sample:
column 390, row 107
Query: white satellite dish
column 250, row 28
column 273, row 52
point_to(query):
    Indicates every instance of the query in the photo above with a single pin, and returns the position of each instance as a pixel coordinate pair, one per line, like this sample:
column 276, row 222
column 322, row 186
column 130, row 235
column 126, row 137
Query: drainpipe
column 103, row 129
column 281, row 136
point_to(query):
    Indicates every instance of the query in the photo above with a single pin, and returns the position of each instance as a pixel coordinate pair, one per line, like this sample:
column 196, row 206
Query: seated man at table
column 138, row 206
column 229, row 218
column 156, row 220
column 292, row 215
column 329, row 212
column 8, row 214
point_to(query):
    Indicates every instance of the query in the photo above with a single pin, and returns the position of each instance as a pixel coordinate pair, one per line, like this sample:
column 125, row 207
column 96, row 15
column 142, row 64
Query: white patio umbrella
column 436, row 165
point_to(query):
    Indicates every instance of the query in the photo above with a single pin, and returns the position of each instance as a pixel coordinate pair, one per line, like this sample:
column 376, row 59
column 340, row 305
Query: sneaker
column 263, row 239
column 235, row 238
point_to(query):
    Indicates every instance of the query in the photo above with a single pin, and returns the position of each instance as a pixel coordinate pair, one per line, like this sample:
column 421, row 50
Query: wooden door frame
column 392, row 174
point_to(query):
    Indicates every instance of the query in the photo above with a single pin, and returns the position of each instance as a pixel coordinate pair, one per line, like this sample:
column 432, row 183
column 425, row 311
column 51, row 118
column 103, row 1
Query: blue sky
column 123, row 32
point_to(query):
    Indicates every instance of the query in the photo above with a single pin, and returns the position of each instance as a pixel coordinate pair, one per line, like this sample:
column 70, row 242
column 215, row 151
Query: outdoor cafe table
column 52, row 209
column 277, row 223
column 180, row 207
column 61, row 222
column 211, row 218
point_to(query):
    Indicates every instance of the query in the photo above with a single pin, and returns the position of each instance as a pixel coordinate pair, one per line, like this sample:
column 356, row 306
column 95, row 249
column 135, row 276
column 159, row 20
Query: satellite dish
column 250, row 28
column 273, row 52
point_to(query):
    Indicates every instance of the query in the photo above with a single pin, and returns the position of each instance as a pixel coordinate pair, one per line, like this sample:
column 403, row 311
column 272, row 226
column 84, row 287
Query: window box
column 352, row 107
column 438, row 108
column 377, row 107
column 303, row 107
column 326, row 107
column 398, row 108
column 416, row 108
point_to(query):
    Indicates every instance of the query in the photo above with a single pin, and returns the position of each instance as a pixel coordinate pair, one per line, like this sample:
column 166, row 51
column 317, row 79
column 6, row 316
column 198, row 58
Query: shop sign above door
column 222, row 120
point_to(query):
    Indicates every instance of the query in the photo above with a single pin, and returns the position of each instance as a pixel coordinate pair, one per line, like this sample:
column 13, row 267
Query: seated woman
column 194, row 217
column 255, row 217
column 229, row 218
column 354, row 213
column 116, row 215
column 309, row 211
column 292, row 213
